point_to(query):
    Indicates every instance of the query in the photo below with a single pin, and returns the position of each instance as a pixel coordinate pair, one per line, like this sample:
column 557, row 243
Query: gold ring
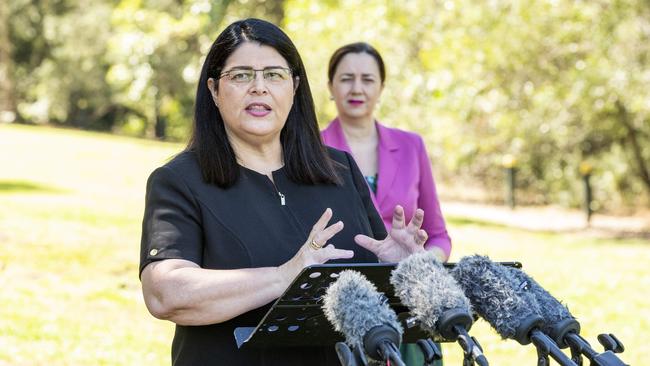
column 314, row 245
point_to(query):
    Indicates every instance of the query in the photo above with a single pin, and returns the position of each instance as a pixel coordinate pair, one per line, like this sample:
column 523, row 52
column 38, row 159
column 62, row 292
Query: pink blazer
column 404, row 178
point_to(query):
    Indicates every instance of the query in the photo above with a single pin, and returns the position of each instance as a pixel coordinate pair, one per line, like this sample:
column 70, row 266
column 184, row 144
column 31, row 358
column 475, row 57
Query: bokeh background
column 94, row 94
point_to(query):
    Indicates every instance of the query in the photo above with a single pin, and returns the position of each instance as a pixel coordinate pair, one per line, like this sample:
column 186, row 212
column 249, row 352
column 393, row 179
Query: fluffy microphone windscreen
column 551, row 309
column 495, row 295
column 353, row 306
column 427, row 289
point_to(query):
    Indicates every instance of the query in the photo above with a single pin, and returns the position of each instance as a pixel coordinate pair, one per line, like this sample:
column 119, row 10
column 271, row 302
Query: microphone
column 513, row 312
column 436, row 301
column 563, row 327
column 355, row 308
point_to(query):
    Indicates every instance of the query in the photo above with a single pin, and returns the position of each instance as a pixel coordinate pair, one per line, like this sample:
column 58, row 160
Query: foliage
column 70, row 230
column 553, row 83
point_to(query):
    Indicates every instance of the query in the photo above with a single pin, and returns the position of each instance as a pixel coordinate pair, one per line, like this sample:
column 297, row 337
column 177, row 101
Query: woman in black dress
column 253, row 199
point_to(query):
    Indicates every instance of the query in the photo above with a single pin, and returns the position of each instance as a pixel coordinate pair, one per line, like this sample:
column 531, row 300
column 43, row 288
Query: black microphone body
column 512, row 311
column 436, row 300
column 560, row 324
column 355, row 308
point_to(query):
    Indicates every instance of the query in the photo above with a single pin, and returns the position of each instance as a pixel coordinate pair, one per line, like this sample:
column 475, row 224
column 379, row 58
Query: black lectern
column 296, row 318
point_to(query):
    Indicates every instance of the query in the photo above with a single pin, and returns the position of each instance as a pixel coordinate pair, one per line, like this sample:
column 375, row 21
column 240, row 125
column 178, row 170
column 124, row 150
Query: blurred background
column 94, row 94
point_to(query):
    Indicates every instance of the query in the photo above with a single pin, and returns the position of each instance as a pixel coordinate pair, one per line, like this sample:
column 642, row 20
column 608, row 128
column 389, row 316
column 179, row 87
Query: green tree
column 554, row 83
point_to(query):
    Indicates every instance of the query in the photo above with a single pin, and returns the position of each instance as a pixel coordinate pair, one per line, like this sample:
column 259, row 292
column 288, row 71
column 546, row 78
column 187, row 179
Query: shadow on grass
column 20, row 186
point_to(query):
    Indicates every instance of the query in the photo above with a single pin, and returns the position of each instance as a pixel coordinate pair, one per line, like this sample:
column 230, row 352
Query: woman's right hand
column 315, row 250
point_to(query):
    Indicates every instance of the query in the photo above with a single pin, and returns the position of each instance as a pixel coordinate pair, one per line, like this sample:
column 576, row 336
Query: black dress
column 247, row 226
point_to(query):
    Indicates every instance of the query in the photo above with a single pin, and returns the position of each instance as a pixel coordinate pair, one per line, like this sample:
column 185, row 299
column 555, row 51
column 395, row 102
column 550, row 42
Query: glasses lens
column 276, row 74
column 241, row 76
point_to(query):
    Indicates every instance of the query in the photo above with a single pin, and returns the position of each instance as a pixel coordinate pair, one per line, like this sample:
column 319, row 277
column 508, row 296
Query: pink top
column 404, row 178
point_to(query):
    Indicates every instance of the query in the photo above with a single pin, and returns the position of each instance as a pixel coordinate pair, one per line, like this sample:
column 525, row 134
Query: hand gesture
column 402, row 240
column 315, row 250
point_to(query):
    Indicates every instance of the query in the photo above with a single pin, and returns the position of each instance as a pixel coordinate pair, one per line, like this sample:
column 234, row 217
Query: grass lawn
column 71, row 205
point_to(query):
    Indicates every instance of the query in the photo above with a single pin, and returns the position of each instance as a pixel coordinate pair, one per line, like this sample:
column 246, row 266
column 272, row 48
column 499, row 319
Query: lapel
column 335, row 137
column 388, row 162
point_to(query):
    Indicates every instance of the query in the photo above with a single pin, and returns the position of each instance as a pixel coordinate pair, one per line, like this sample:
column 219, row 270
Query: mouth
column 258, row 109
column 355, row 102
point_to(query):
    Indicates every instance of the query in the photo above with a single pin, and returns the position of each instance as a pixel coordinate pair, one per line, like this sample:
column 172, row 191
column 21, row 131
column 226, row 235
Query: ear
column 296, row 83
column 212, row 86
column 330, row 87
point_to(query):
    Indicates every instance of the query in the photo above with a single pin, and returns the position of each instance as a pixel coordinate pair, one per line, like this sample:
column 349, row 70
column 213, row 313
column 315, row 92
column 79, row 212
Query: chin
column 262, row 128
column 357, row 113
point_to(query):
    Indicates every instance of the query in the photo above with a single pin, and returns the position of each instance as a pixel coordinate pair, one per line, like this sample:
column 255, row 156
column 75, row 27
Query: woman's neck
column 359, row 129
column 263, row 159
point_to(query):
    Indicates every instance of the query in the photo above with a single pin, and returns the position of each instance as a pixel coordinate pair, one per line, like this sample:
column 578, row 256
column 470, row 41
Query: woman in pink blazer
column 394, row 162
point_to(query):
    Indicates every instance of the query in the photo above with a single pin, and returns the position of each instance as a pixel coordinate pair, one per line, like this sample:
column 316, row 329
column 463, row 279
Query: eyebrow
column 251, row 67
column 363, row 75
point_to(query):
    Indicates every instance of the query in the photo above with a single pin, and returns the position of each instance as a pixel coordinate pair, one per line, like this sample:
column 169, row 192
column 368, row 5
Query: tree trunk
column 632, row 137
column 7, row 92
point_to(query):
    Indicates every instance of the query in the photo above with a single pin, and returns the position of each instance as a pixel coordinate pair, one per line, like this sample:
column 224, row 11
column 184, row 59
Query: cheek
column 287, row 100
column 338, row 90
column 342, row 90
column 228, row 102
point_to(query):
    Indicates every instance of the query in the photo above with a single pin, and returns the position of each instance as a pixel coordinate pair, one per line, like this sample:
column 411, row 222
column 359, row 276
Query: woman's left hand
column 402, row 240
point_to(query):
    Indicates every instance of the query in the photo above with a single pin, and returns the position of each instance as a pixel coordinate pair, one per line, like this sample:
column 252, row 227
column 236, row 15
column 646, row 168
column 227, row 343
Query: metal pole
column 585, row 171
column 509, row 162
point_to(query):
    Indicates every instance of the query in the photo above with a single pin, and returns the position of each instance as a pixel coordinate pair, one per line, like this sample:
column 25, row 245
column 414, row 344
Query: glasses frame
column 255, row 71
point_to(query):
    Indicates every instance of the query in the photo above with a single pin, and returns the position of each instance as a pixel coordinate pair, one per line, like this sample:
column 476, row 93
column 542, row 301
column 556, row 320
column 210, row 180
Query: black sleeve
column 376, row 223
column 171, row 227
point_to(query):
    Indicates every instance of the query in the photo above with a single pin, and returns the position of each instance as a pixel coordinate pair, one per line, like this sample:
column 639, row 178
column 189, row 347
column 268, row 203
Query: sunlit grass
column 70, row 216
column 602, row 281
column 68, row 265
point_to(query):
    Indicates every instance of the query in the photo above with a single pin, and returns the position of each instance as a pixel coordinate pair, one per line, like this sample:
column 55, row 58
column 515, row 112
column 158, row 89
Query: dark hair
column 305, row 157
column 358, row 47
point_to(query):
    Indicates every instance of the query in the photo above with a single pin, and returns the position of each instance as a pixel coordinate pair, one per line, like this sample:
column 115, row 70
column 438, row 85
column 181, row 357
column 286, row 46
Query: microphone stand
column 380, row 343
column 472, row 351
column 567, row 333
column 390, row 352
column 528, row 331
column 430, row 351
column 350, row 357
column 545, row 347
column 453, row 324
column 580, row 346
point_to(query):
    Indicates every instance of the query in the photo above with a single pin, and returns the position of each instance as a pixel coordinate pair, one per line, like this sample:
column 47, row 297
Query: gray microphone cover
column 353, row 306
column 496, row 295
column 557, row 318
column 428, row 290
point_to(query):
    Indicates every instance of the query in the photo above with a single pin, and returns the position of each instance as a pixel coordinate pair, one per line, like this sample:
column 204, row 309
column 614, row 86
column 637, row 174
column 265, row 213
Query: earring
column 331, row 97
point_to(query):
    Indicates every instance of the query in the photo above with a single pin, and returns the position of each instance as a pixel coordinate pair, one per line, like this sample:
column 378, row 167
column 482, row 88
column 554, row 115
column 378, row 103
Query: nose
column 356, row 86
column 258, row 85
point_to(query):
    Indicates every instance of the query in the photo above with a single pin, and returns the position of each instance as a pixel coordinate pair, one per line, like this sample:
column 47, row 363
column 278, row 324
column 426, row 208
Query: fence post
column 509, row 163
column 585, row 170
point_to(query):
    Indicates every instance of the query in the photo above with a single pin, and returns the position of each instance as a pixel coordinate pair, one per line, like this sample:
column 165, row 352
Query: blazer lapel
column 388, row 163
column 335, row 137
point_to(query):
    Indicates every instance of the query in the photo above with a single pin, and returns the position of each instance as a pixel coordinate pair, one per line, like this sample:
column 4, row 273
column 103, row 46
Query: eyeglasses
column 244, row 75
